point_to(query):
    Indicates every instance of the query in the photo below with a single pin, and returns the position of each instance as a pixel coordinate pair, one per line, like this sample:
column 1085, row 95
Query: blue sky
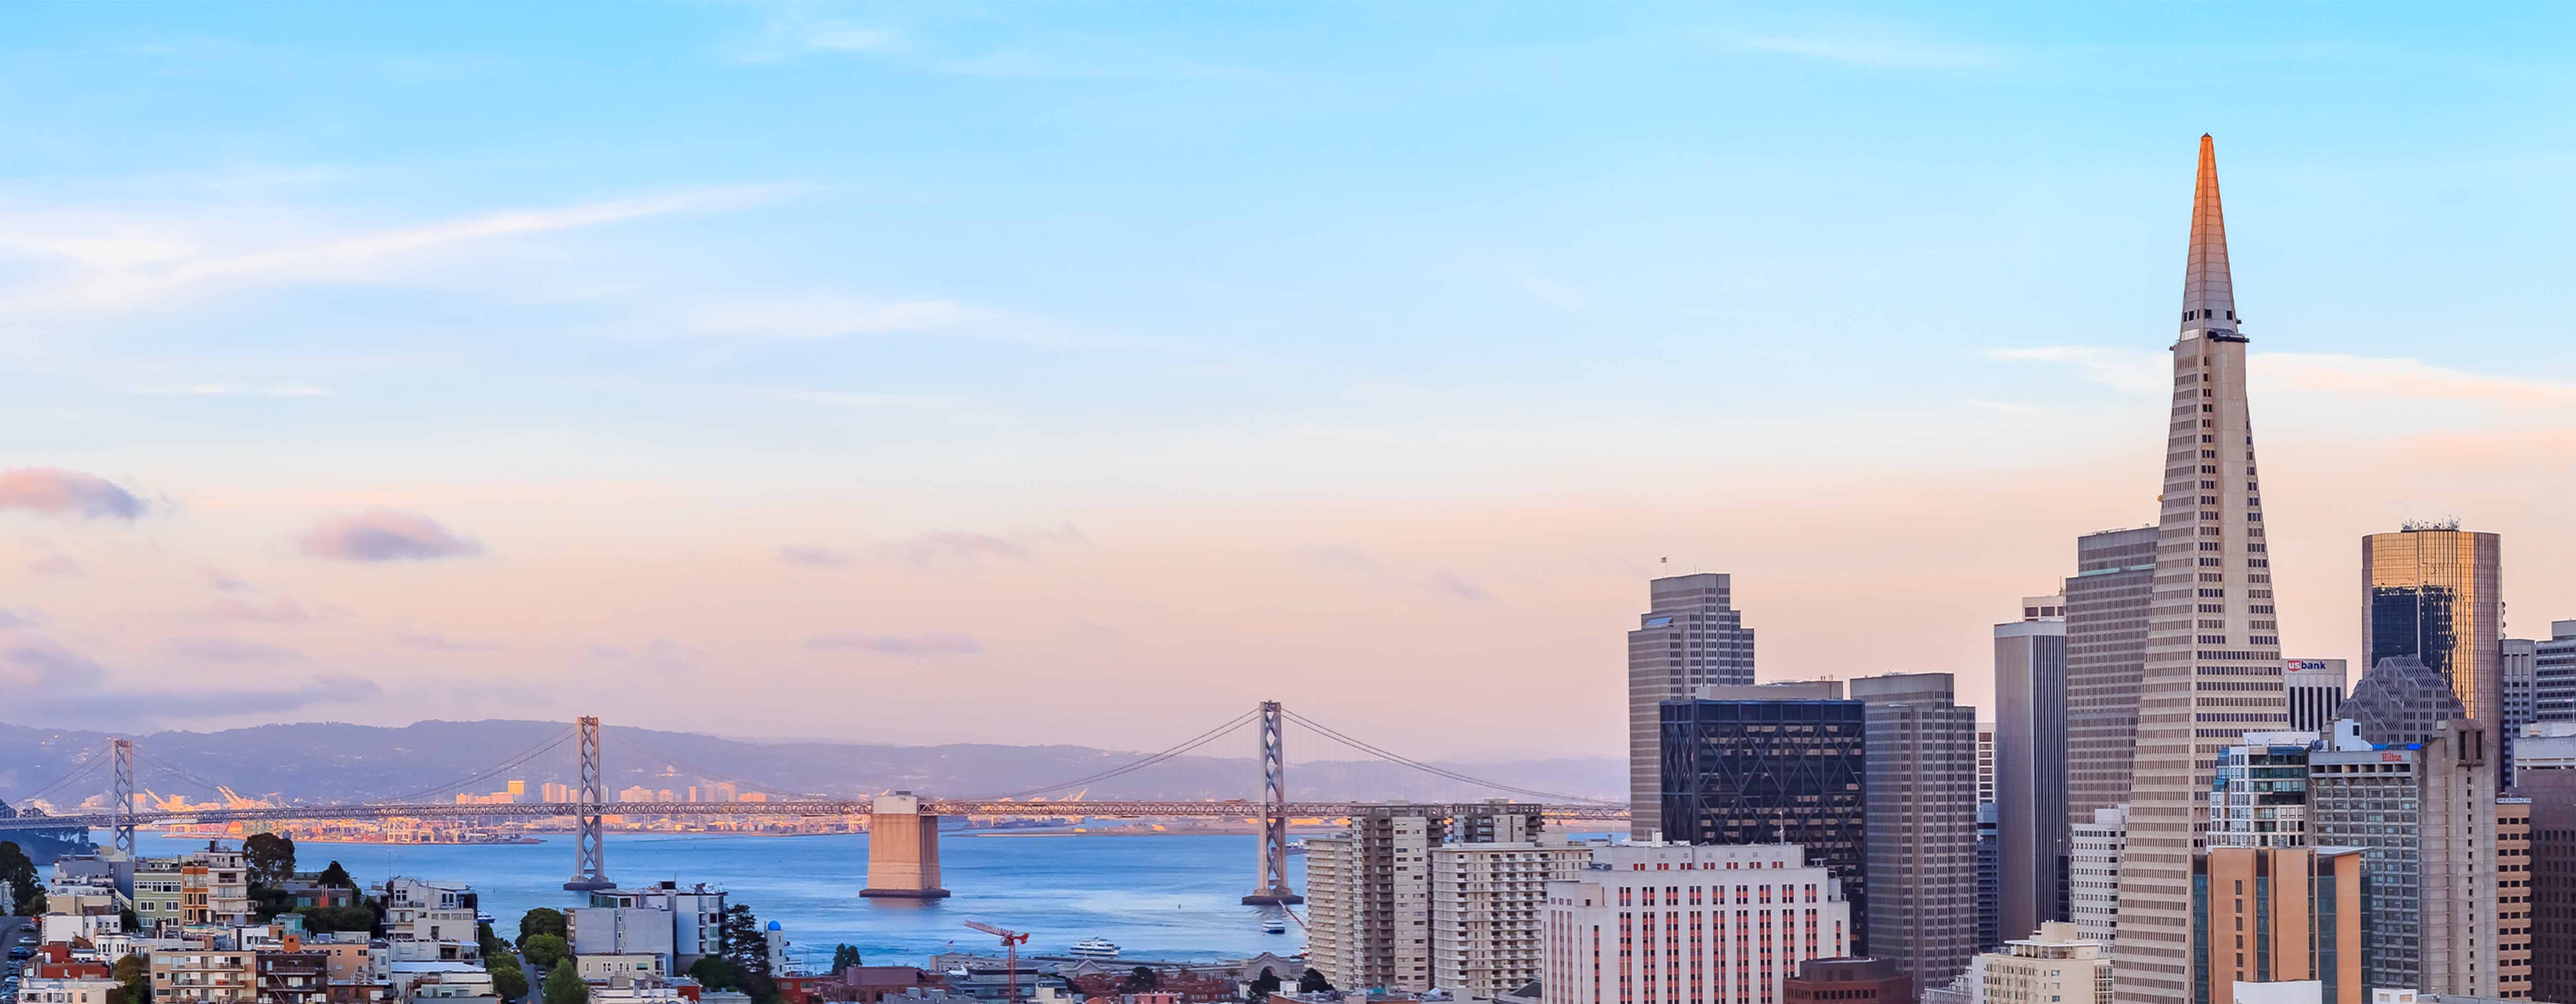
column 1344, row 305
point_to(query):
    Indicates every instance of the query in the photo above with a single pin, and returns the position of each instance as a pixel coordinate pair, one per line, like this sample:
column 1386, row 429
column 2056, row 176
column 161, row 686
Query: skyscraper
column 2401, row 700
column 2424, row 815
column 2093, row 873
column 1691, row 636
column 1777, row 764
column 1922, row 808
column 2107, row 600
column 2431, row 591
column 2213, row 662
column 2553, row 675
column 2031, row 824
column 2518, row 665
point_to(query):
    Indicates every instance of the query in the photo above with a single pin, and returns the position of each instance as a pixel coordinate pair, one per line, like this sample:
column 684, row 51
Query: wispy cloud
column 231, row 608
column 921, row 645
column 52, row 491
column 790, row 35
column 813, row 556
column 825, row 316
column 2329, row 374
column 442, row 643
column 384, row 535
column 1450, row 583
column 139, row 263
column 661, row 655
column 1874, row 50
column 232, row 650
column 958, row 545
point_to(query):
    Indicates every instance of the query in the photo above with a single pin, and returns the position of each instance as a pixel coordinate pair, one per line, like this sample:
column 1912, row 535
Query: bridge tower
column 1271, row 889
column 121, row 754
column 590, row 861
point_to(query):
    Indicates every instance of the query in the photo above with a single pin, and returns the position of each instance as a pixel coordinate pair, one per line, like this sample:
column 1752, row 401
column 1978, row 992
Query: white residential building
column 426, row 912
column 696, row 916
column 2056, row 966
column 1487, row 901
column 2093, row 873
column 1667, row 923
column 84, row 991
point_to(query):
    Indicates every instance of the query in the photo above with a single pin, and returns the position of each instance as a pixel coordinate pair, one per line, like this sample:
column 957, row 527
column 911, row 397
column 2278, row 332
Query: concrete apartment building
column 2424, row 816
column 1921, row 797
column 2107, row 604
column 430, row 920
column 2281, row 913
column 1368, row 891
column 214, row 888
column 292, row 976
column 71, row 991
column 1487, row 901
column 2031, row 825
column 1691, row 636
column 693, row 915
column 2053, row 966
column 1662, row 923
column 2260, row 796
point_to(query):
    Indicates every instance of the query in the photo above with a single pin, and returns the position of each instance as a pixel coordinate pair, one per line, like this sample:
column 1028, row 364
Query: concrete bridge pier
column 903, row 850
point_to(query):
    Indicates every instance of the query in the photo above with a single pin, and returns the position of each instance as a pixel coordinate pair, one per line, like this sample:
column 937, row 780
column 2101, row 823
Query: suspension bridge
column 903, row 829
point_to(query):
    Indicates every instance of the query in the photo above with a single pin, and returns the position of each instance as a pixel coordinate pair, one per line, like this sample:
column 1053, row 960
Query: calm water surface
column 1158, row 897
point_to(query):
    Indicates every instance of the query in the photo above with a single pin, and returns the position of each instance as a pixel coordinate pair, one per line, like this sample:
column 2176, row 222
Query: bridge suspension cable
column 89, row 761
column 1141, row 763
column 146, row 756
column 1363, row 746
column 547, row 745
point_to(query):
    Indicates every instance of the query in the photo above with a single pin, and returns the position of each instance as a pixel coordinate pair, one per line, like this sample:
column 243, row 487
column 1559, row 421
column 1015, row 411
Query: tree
column 270, row 858
column 19, row 870
column 135, row 977
column 1265, row 984
column 337, row 876
column 509, row 983
column 1141, row 981
column 564, row 986
column 338, row 918
column 493, row 946
column 845, row 957
column 542, row 920
column 1310, row 982
column 716, row 972
column 745, row 944
column 549, row 951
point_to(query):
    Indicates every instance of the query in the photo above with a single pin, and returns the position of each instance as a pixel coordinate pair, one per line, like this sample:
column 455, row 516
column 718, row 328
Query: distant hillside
column 329, row 761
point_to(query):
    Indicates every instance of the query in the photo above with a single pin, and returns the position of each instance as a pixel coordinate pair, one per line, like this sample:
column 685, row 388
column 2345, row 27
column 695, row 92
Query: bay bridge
column 903, row 829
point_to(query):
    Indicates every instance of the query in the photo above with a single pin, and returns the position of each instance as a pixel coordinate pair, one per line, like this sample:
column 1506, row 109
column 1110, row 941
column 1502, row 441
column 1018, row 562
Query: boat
column 1094, row 948
column 1296, row 847
column 1274, row 926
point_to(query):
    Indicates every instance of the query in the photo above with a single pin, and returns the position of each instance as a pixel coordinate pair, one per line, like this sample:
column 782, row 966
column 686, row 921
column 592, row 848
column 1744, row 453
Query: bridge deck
column 822, row 807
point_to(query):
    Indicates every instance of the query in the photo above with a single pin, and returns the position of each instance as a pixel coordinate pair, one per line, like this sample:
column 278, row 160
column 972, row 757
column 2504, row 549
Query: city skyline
column 399, row 425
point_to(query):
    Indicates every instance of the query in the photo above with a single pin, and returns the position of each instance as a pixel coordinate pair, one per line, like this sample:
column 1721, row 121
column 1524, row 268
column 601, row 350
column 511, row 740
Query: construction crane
column 1011, row 942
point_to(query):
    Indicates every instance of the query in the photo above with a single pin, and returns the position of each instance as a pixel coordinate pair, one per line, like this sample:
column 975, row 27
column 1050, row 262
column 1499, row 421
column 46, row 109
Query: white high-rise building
column 2213, row 669
column 2093, row 875
column 1487, row 901
column 1673, row 923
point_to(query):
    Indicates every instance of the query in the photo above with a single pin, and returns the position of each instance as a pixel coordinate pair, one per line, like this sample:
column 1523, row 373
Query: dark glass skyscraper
column 1741, row 769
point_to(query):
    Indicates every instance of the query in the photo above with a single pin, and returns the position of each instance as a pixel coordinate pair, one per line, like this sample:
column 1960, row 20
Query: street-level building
column 1848, row 981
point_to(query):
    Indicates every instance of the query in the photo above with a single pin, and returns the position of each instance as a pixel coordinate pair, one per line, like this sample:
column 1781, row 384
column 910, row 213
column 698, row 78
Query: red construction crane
column 1011, row 942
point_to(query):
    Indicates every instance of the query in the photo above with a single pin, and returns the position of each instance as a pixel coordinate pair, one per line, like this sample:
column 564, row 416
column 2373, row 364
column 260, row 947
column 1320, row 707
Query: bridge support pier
column 123, row 755
column 590, row 844
column 903, row 850
column 1270, row 888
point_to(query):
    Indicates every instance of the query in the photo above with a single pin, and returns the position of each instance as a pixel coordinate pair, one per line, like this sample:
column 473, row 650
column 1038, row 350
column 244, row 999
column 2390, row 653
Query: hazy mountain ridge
column 332, row 761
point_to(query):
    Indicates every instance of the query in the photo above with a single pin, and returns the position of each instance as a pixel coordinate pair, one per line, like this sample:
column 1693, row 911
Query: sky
column 1089, row 372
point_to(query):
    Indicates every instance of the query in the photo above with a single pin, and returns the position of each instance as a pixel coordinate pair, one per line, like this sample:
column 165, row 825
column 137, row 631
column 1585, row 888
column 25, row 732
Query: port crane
column 1011, row 942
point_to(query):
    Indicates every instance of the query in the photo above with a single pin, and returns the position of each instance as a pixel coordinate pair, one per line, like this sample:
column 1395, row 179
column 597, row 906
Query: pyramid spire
column 2208, row 294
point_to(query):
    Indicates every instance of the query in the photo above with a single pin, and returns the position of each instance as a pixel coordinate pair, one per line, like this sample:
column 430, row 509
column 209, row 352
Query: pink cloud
column 52, row 491
column 384, row 535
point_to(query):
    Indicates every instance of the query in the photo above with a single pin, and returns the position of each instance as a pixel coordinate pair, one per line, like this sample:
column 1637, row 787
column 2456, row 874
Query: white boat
column 1094, row 948
column 1274, row 926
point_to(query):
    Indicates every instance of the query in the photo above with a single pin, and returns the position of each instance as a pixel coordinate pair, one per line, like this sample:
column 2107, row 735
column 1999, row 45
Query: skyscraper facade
column 2553, row 675
column 2278, row 913
column 1643, row 923
column 2031, row 825
column 2431, row 591
column 2107, row 601
column 2093, row 873
column 1779, row 764
column 2213, row 661
column 1922, row 823
column 2261, row 796
column 2517, row 669
column 2401, row 700
column 1691, row 636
